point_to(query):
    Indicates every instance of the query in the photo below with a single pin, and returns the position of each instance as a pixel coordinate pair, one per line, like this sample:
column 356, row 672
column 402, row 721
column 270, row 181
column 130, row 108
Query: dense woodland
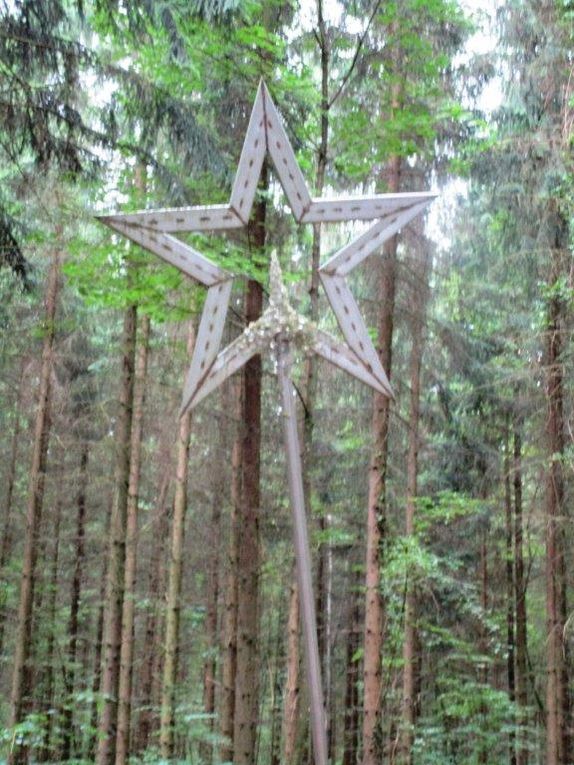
column 148, row 605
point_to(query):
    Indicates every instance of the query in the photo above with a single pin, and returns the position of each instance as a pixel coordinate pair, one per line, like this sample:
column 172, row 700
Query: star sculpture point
column 156, row 230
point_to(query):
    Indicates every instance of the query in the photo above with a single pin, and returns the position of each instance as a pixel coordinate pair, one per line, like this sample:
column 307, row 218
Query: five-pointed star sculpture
column 153, row 230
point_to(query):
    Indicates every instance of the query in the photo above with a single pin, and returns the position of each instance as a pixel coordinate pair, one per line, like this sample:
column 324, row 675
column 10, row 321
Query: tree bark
column 556, row 690
column 173, row 605
column 99, row 639
column 45, row 751
column 376, row 515
column 420, row 276
column 247, row 674
column 510, row 594
column 291, row 703
column 152, row 648
column 351, row 728
column 75, row 597
column 520, row 600
column 6, row 546
column 310, row 394
column 21, row 676
column 275, row 686
column 107, row 723
column 229, row 660
column 130, row 571
column 483, row 640
column 211, row 621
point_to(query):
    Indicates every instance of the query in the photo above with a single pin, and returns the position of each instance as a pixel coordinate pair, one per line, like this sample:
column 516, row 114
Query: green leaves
column 444, row 508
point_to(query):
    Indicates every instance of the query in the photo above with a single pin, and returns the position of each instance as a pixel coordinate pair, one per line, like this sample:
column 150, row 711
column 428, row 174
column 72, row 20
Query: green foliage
column 444, row 508
column 468, row 719
column 409, row 59
column 29, row 732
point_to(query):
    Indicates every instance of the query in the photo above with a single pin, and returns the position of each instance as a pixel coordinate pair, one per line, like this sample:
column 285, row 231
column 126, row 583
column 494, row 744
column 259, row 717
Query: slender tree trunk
column 21, row 677
column 152, row 648
column 351, row 727
column 107, row 723
column 247, row 674
column 130, row 572
column 291, row 703
column 75, row 597
column 310, row 384
column 6, row 545
column 483, row 751
column 333, row 729
column 510, row 592
column 556, row 691
column 376, row 515
column 275, row 685
column 520, row 599
column 45, row 752
column 211, row 622
column 419, row 301
column 99, row 648
column 173, row 605
column 229, row 662
column 214, row 564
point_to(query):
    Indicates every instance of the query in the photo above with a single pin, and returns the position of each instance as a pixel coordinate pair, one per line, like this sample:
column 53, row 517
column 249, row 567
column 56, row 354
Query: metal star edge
column 152, row 230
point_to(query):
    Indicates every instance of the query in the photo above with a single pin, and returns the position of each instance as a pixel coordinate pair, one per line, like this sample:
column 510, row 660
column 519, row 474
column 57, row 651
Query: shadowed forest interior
column 148, row 605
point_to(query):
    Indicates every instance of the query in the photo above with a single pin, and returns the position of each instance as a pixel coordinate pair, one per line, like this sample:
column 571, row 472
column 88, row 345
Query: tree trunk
column 510, row 591
column 291, row 703
column 229, row 661
column 6, row 546
column 420, row 276
column 211, row 622
column 152, row 648
column 483, row 646
column 556, row 700
column 173, row 604
column 130, row 572
column 45, row 751
column 112, row 631
column 75, row 597
column 351, row 729
column 520, row 599
column 310, row 382
column 99, row 639
column 22, row 669
column 247, row 673
column 275, row 685
column 376, row 515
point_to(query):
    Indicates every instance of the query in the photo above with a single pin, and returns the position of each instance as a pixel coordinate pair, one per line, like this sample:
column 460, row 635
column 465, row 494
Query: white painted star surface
column 153, row 231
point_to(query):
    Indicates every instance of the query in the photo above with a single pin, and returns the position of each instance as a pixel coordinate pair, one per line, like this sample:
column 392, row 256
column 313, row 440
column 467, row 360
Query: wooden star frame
column 280, row 327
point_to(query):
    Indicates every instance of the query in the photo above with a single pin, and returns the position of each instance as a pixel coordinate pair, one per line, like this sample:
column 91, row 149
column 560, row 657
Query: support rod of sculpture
column 302, row 554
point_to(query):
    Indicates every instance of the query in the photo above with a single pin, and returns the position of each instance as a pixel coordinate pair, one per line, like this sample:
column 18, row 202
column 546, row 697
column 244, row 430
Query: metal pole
column 302, row 554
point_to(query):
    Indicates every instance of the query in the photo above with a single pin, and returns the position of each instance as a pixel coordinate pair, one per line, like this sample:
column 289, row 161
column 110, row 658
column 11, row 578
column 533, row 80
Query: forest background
column 148, row 609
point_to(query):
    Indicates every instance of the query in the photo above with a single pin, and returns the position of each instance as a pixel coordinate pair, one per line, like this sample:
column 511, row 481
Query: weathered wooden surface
column 283, row 156
column 372, row 239
column 363, row 207
column 250, row 161
column 200, row 218
column 172, row 250
column 208, row 337
column 353, row 328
